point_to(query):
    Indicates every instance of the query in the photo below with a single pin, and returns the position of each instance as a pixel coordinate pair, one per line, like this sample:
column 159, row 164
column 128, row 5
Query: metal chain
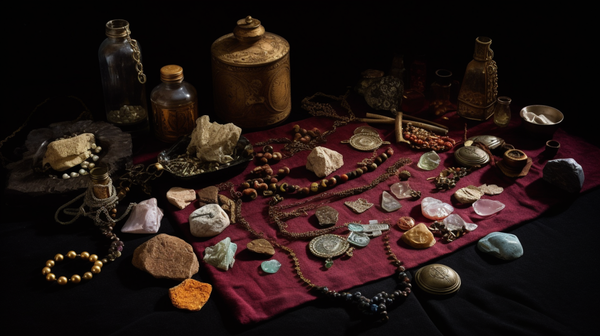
column 137, row 57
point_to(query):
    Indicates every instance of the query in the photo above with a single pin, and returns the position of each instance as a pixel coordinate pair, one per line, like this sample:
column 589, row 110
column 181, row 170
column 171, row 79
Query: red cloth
column 254, row 296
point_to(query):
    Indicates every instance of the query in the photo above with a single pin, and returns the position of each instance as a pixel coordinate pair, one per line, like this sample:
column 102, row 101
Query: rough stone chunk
column 567, row 174
column 505, row 246
column 213, row 142
column 261, row 246
column 181, row 197
column 145, row 217
column 209, row 195
column 326, row 215
column 221, row 255
column 190, row 294
column 166, row 256
column 208, row 221
column 324, row 161
column 67, row 153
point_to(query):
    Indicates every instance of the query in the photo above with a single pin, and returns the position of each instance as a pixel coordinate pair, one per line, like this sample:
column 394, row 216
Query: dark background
column 543, row 51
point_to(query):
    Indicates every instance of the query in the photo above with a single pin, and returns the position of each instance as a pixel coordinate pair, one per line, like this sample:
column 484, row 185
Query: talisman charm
column 328, row 246
column 366, row 141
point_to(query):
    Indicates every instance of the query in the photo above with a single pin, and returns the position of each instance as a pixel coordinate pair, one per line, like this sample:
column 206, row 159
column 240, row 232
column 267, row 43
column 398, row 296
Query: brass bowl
column 552, row 114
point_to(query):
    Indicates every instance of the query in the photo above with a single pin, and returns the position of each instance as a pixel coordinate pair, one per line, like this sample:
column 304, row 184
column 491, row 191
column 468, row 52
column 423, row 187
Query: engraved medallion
column 328, row 246
column 438, row 279
column 358, row 239
column 366, row 141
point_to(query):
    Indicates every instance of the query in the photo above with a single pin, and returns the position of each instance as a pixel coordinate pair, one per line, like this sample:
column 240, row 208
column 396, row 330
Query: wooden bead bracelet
column 75, row 278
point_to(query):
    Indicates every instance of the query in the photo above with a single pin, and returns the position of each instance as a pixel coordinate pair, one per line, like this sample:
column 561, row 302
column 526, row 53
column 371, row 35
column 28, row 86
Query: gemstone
column 326, row 215
column 429, row 161
column 401, row 190
column 418, row 237
column 354, row 227
column 435, row 209
column 505, row 246
column 359, row 206
column 389, row 203
column 486, row 207
column 270, row 266
column 358, row 239
column 455, row 222
column 567, row 174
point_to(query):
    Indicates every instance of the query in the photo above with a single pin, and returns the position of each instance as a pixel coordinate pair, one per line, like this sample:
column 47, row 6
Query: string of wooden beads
column 75, row 278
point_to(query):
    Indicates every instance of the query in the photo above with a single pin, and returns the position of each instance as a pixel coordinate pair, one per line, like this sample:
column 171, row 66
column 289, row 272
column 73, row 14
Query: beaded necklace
column 376, row 305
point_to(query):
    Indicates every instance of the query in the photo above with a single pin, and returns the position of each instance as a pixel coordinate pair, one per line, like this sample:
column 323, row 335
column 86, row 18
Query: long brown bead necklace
column 377, row 305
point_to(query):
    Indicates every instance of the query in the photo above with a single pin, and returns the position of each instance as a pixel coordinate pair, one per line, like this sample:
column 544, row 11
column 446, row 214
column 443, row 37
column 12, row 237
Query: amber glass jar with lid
column 251, row 76
column 174, row 105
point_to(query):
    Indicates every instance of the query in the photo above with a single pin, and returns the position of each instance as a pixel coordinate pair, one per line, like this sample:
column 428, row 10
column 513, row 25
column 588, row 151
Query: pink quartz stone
column 486, row 207
column 455, row 222
column 435, row 209
column 145, row 217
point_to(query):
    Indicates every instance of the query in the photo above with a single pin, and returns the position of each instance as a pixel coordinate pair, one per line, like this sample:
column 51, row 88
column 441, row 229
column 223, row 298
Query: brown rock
column 181, row 197
column 190, row 294
column 228, row 205
column 166, row 256
column 261, row 246
column 209, row 195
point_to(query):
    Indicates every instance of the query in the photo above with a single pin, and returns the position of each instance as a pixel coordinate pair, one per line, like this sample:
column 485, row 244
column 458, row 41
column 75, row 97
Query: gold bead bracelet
column 75, row 278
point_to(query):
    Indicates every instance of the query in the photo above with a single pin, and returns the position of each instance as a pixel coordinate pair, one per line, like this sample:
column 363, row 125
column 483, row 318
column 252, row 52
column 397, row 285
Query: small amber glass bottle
column 175, row 105
column 100, row 182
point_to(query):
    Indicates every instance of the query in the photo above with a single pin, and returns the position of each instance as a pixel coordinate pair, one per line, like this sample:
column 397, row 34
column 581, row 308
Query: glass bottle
column 174, row 105
column 123, row 80
column 479, row 88
column 100, row 182
column 441, row 102
column 502, row 111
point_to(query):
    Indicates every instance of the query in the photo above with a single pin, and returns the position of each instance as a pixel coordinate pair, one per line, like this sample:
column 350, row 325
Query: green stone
column 328, row 263
column 355, row 227
column 270, row 266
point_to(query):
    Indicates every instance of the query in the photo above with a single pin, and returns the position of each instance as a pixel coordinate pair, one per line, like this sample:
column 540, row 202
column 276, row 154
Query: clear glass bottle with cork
column 174, row 105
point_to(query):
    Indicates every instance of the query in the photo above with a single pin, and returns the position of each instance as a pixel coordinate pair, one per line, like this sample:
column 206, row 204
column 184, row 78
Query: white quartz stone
column 324, row 161
column 145, row 217
column 208, row 221
column 486, row 207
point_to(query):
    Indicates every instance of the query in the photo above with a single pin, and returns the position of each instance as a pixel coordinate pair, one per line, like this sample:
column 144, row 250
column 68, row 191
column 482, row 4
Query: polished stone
column 401, row 190
column 435, row 209
column 270, row 266
column 455, row 222
column 429, row 161
column 505, row 246
column 418, row 237
column 487, row 207
column 389, row 203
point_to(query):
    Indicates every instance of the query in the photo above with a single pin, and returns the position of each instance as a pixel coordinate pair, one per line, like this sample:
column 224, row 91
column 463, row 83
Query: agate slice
column 505, row 246
column 487, row 207
column 435, row 209
column 418, row 237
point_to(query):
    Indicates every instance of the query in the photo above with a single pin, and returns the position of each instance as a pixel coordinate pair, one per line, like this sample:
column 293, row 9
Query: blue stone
column 354, row 227
column 501, row 245
column 270, row 266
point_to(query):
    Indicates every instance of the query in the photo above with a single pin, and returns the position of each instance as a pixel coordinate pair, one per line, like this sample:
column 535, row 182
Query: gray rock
column 208, row 221
column 564, row 173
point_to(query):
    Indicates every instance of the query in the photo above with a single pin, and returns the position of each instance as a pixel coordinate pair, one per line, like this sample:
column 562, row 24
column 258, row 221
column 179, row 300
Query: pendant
column 365, row 141
column 328, row 246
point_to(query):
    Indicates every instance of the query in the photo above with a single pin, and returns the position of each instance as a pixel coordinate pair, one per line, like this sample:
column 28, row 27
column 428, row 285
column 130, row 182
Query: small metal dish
column 180, row 164
column 550, row 113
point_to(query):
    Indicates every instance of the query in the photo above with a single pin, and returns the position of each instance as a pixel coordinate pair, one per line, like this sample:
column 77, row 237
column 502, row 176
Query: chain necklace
column 376, row 305
column 137, row 57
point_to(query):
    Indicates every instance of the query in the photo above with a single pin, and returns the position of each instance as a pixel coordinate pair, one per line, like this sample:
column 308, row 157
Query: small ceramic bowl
column 554, row 116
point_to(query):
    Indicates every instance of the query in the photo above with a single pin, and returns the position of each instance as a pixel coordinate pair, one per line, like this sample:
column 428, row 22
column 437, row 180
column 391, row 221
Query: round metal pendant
column 328, row 246
column 366, row 141
column 438, row 279
column 470, row 156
